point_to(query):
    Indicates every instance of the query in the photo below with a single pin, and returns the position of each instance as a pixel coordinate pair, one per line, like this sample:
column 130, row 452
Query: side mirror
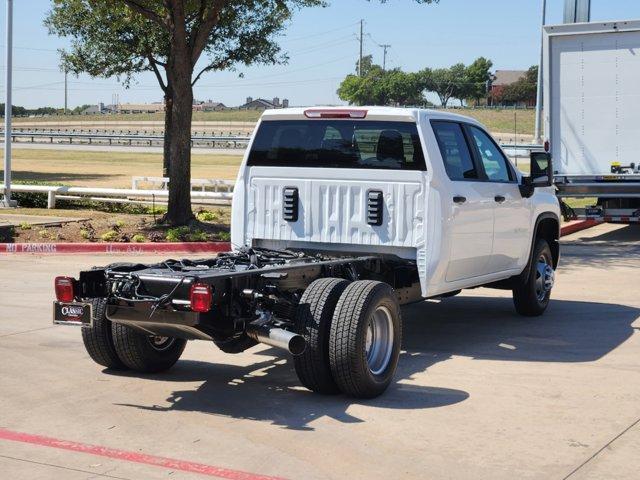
column 541, row 169
column 541, row 174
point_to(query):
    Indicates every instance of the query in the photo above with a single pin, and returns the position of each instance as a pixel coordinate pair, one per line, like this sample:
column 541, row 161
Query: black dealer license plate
column 72, row 314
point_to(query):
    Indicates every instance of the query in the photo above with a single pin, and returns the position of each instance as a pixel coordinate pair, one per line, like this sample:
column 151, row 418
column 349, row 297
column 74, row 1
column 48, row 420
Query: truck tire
column 365, row 339
column 531, row 295
column 98, row 339
column 146, row 353
column 313, row 322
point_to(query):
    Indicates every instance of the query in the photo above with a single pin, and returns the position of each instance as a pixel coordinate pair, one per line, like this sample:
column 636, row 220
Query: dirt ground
column 98, row 226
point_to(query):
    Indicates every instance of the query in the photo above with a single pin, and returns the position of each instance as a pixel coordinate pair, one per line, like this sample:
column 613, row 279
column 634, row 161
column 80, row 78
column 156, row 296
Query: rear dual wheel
column 353, row 334
column 119, row 347
column 365, row 339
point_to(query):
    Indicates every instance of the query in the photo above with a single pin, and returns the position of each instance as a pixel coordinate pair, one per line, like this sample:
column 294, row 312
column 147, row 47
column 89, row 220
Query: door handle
column 459, row 199
column 499, row 198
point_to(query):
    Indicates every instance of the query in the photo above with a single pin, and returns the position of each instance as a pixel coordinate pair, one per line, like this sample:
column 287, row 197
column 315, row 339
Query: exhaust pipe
column 277, row 337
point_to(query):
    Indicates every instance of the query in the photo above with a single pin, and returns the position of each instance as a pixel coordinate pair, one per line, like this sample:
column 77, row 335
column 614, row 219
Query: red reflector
column 547, row 146
column 317, row 113
column 64, row 289
column 200, row 297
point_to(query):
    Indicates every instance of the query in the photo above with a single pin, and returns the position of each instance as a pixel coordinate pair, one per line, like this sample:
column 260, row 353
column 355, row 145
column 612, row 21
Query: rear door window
column 337, row 144
column 493, row 161
column 458, row 161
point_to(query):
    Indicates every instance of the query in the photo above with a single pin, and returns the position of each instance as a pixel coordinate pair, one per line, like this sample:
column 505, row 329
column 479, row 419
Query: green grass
column 580, row 202
column 109, row 169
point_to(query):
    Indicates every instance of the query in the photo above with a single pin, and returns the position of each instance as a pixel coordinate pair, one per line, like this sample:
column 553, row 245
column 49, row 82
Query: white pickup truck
column 339, row 217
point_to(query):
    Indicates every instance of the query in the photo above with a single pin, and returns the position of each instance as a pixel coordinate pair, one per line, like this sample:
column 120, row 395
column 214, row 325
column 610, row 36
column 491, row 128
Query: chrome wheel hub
column 160, row 343
column 379, row 340
column 545, row 276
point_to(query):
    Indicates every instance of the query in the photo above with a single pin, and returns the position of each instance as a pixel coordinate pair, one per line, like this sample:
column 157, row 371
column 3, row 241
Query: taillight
column 64, row 289
column 547, row 146
column 200, row 297
column 335, row 113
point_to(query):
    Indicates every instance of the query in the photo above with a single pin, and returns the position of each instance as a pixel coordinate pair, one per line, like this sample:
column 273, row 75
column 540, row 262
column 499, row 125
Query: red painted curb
column 135, row 457
column 577, row 225
column 115, row 248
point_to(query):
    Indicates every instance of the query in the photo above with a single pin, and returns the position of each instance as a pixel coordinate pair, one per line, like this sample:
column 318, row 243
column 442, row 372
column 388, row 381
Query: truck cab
column 427, row 186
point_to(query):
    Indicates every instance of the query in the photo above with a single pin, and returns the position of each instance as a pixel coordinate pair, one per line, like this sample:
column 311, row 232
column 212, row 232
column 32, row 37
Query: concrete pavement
column 481, row 393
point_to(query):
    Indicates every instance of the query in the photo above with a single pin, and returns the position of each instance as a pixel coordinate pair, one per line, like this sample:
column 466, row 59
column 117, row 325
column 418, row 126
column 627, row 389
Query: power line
column 325, row 32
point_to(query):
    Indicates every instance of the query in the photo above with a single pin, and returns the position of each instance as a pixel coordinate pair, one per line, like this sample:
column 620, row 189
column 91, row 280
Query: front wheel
column 531, row 295
column 365, row 339
column 146, row 353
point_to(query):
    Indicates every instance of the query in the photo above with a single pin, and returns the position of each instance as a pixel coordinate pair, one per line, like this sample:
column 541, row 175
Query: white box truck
column 592, row 114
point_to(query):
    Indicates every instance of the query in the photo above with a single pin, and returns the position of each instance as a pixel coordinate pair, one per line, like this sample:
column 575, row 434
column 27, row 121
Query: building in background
column 502, row 79
column 262, row 104
column 141, row 107
column 208, row 106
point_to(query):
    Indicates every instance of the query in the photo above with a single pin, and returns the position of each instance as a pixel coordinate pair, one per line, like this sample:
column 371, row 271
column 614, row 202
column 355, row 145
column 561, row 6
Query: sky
column 322, row 45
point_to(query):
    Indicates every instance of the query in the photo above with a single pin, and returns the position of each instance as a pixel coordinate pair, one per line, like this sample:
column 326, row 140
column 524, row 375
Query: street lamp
column 7, row 202
column 537, row 136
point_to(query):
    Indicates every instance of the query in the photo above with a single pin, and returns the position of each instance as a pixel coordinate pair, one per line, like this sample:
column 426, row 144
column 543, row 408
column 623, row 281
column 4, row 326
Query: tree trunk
column 179, row 211
column 166, row 156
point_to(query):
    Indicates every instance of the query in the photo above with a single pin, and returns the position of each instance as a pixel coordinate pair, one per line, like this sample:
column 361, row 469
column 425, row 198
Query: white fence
column 120, row 195
column 204, row 184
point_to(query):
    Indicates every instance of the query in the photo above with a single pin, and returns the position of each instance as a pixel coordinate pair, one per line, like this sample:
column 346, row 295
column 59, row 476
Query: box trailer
column 592, row 114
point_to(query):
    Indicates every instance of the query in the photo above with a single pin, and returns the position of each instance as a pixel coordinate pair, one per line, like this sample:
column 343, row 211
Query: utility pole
column 537, row 137
column 361, row 40
column 385, row 47
column 577, row 11
column 66, row 92
column 7, row 202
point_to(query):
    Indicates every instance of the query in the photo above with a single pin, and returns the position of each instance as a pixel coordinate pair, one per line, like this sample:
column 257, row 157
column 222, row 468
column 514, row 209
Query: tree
column 367, row 89
column 179, row 41
column 461, row 85
column 403, row 88
column 442, row 82
column 522, row 90
column 477, row 76
column 379, row 87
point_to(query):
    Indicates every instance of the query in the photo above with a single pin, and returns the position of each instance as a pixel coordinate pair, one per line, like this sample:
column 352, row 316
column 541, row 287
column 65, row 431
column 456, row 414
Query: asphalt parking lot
column 481, row 393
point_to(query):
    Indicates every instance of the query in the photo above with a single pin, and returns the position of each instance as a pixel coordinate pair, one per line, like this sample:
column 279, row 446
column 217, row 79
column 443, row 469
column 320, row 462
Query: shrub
column 32, row 199
column 25, row 226
column 185, row 234
column 207, row 216
column 109, row 236
column 138, row 238
column 44, row 233
column 176, row 234
column 224, row 236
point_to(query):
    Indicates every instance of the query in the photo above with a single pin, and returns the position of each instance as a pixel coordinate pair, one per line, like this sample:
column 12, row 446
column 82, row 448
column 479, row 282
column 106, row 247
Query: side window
column 455, row 152
column 494, row 162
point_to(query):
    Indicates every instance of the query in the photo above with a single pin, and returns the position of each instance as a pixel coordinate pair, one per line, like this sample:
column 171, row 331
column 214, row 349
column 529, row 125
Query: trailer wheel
column 146, row 353
column 366, row 334
column 98, row 339
column 313, row 322
column 531, row 295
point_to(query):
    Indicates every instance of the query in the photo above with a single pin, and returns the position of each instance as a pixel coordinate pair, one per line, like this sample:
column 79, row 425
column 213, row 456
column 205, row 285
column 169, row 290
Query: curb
column 115, row 248
column 178, row 247
column 578, row 225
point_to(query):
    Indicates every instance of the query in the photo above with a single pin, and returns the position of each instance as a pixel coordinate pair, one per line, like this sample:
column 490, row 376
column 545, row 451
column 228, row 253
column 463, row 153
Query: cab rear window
column 337, row 144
